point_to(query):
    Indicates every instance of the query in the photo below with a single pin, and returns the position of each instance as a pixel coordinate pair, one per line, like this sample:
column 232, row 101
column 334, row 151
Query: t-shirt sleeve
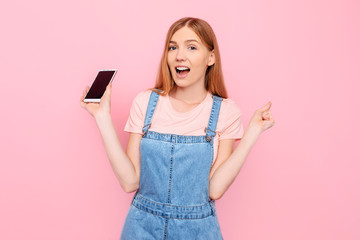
column 138, row 108
column 232, row 125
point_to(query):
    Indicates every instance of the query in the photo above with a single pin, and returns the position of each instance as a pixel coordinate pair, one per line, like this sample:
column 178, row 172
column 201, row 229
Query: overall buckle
column 208, row 138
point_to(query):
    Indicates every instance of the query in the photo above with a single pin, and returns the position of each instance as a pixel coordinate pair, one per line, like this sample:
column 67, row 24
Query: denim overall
column 172, row 201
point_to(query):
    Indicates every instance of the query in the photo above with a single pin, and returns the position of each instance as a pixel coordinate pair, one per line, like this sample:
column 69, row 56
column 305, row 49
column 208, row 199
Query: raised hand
column 262, row 119
column 96, row 109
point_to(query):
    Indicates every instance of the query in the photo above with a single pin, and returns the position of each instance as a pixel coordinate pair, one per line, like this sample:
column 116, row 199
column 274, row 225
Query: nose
column 180, row 55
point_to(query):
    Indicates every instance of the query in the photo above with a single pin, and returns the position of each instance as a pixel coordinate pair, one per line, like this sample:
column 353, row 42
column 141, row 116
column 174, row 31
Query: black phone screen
column 100, row 83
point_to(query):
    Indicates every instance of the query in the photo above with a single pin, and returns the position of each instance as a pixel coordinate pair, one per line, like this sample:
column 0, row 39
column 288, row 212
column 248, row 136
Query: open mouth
column 182, row 72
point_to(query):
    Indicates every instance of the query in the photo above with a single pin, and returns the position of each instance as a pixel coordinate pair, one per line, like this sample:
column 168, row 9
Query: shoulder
column 140, row 102
column 141, row 99
column 229, row 108
column 142, row 96
column 230, row 124
column 229, row 113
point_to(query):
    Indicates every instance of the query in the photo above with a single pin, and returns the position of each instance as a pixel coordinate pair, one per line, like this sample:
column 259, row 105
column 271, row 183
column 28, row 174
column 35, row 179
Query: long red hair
column 214, row 79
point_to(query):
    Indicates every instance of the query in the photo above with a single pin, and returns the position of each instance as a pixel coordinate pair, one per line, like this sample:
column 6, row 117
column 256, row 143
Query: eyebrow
column 190, row 40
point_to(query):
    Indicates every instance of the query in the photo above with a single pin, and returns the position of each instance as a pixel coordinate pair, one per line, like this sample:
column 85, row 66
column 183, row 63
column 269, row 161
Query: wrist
column 102, row 117
column 252, row 131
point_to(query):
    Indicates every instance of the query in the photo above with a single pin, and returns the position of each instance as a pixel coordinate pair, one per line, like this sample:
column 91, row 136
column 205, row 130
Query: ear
column 211, row 58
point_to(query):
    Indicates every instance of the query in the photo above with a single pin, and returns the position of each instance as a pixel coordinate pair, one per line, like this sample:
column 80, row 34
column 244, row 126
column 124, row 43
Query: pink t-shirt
column 192, row 123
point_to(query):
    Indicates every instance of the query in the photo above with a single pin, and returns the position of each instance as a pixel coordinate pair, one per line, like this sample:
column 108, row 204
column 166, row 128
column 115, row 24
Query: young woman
column 180, row 157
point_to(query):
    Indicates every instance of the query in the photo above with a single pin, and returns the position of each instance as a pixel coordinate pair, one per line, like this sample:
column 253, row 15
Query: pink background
column 301, row 180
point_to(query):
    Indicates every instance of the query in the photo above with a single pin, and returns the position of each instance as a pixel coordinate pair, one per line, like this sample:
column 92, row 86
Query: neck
column 189, row 95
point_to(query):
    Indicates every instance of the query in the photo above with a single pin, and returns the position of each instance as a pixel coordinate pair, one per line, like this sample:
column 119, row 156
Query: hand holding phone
column 98, row 87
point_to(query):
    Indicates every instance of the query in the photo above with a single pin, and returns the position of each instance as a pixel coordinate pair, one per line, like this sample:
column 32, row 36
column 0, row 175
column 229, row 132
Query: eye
column 172, row 48
column 192, row 48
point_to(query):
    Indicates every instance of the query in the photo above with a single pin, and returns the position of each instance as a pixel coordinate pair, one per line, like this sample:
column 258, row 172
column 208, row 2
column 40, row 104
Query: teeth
column 182, row 68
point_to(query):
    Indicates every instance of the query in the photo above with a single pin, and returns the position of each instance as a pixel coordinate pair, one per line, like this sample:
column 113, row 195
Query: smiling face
column 188, row 58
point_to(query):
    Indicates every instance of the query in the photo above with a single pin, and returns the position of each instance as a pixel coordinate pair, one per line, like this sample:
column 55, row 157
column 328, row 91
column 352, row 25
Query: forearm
column 120, row 162
column 226, row 173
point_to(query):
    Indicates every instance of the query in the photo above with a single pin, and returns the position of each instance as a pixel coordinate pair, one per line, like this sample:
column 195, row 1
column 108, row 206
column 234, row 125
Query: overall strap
column 154, row 97
column 210, row 130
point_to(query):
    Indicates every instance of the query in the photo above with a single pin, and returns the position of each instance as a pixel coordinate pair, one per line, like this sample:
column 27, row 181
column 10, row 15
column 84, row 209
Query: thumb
column 266, row 107
column 108, row 90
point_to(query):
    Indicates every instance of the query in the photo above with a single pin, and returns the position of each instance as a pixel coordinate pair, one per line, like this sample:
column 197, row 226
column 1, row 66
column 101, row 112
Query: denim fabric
column 172, row 201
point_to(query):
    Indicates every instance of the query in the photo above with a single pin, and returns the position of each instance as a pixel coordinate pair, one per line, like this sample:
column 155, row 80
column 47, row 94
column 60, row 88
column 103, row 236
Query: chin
column 181, row 83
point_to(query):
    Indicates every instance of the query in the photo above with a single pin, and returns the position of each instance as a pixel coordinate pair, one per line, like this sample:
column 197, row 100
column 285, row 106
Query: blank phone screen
column 99, row 85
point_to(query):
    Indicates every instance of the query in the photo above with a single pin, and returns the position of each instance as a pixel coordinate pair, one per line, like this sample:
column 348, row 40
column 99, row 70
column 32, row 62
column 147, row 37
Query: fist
column 262, row 118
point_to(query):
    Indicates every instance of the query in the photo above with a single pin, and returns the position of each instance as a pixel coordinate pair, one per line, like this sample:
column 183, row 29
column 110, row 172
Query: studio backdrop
column 299, row 182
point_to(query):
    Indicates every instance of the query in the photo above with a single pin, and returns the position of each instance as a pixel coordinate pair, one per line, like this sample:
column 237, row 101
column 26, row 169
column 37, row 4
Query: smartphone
column 98, row 87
